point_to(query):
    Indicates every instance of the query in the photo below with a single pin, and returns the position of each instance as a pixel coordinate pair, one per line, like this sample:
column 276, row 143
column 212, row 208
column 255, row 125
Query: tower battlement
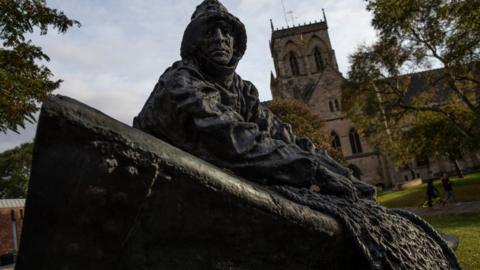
column 304, row 60
column 301, row 28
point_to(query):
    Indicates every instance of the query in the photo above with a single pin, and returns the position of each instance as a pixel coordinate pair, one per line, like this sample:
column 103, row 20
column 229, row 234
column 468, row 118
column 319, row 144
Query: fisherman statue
column 201, row 105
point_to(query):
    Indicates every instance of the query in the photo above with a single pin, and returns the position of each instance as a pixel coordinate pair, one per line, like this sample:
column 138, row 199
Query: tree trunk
column 457, row 167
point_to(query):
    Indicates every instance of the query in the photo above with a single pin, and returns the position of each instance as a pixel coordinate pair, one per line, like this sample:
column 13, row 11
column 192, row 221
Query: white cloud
column 113, row 61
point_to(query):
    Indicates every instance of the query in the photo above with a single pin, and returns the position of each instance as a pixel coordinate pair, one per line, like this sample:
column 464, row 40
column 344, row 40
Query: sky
column 114, row 59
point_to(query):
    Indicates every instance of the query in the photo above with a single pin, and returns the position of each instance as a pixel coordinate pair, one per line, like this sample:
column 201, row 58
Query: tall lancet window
column 318, row 59
column 336, row 140
column 355, row 141
column 337, row 105
column 294, row 64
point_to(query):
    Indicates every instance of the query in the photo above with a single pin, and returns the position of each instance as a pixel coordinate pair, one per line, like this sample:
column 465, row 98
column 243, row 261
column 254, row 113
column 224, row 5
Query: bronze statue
column 203, row 107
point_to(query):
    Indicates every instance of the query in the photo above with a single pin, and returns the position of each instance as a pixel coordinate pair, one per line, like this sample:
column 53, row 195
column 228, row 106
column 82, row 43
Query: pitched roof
column 423, row 80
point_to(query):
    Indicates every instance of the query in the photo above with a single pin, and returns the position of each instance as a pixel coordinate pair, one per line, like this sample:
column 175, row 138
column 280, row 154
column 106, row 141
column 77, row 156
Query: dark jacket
column 432, row 191
column 447, row 184
column 230, row 128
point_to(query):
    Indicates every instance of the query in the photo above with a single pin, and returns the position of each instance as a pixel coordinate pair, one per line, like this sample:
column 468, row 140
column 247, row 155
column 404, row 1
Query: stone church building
column 306, row 69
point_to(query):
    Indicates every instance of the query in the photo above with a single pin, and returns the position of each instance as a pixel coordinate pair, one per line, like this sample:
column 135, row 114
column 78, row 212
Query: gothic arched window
column 330, row 105
column 337, row 105
column 355, row 141
column 318, row 59
column 335, row 140
column 294, row 64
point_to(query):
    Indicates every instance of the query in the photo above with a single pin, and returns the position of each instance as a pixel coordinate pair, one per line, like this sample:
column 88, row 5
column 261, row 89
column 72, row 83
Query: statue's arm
column 189, row 113
column 280, row 130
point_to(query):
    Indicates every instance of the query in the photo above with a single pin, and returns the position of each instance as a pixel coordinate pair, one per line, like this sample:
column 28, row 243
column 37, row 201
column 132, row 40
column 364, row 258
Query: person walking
column 448, row 187
column 432, row 193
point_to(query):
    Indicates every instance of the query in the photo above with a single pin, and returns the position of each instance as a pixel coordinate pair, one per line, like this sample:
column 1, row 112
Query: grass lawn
column 466, row 190
column 467, row 228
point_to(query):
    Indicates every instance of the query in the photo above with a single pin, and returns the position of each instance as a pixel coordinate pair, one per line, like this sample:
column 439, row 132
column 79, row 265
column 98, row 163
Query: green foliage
column 304, row 123
column 24, row 83
column 15, row 167
column 434, row 135
column 393, row 104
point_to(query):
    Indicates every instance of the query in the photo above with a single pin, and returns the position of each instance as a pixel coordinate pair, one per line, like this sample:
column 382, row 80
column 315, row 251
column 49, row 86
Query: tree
column 393, row 96
column 304, row 123
column 15, row 167
column 23, row 82
column 434, row 136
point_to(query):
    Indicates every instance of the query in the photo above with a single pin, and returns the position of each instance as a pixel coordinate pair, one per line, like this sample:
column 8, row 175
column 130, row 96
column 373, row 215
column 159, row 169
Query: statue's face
column 217, row 44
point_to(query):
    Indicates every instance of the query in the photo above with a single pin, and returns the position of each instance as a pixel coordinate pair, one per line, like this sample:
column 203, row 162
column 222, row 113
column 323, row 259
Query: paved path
column 8, row 267
column 451, row 208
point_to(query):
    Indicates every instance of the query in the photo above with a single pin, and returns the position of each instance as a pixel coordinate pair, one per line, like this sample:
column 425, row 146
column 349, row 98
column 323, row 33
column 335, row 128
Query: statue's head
column 218, row 42
column 215, row 36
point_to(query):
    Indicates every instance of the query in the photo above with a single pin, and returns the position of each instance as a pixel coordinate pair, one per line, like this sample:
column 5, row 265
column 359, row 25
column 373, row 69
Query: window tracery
column 318, row 59
column 294, row 64
column 355, row 141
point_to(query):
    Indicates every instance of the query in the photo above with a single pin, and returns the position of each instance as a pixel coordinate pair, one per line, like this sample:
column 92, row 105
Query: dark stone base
column 103, row 195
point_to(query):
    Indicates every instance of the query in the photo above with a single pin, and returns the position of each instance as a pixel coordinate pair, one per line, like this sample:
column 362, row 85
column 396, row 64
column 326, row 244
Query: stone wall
column 320, row 90
column 301, row 41
column 7, row 225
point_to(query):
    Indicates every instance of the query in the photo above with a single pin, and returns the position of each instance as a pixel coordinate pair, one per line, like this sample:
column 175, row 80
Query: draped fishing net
column 388, row 239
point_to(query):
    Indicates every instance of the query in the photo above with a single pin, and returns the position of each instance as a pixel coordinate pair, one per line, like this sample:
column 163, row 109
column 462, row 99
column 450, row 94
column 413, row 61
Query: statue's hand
column 364, row 190
column 335, row 184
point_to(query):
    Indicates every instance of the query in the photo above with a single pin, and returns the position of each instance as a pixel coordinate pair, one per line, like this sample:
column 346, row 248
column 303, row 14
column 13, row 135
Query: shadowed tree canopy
column 23, row 81
column 15, row 167
column 392, row 98
column 305, row 123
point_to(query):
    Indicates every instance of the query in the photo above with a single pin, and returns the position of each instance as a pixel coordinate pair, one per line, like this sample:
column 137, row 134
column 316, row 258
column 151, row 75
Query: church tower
column 306, row 67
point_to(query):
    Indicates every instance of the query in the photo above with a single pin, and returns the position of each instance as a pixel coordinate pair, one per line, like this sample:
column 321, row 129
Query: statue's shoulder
column 181, row 77
column 247, row 87
column 181, row 69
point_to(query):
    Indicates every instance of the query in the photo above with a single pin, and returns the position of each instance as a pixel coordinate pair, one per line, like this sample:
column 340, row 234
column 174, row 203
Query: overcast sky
column 113, row 61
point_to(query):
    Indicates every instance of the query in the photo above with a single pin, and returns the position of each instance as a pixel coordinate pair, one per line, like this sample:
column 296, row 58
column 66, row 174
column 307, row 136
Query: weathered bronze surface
column 103, row 195
column 202, row 106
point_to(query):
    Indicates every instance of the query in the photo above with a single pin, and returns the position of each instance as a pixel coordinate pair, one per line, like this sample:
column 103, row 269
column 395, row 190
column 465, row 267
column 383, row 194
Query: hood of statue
column 208, row 13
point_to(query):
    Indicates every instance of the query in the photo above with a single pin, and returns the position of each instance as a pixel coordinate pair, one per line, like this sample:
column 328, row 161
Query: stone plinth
column 103, row 195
